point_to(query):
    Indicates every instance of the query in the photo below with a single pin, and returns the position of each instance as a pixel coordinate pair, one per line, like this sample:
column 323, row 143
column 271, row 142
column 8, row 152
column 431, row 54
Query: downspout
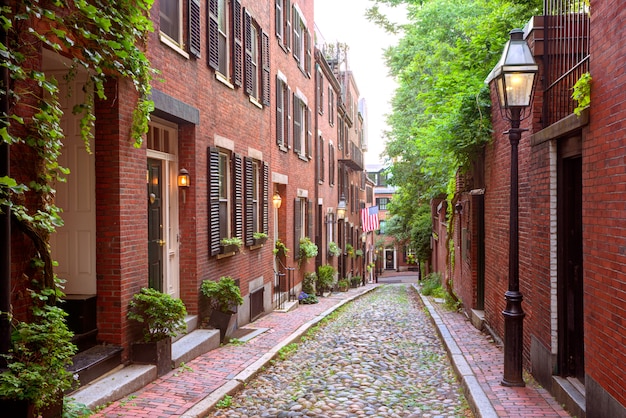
column 5, row 219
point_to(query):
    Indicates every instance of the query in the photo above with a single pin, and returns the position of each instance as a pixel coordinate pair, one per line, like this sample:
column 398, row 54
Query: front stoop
column 115, row 386
column 288, row 306
column 478, row 318
column 571, row 394
column 123, row 382
column 193, row 345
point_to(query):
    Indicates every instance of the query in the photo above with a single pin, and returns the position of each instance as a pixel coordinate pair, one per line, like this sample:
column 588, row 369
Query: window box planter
column 259, row 241
column 229, row 248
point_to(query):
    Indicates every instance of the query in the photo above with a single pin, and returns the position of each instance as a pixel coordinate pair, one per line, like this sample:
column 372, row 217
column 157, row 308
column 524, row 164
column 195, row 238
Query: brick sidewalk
column 485, row 360
column 190, row 390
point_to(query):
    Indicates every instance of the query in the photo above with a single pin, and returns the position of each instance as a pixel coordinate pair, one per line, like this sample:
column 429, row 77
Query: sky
column 344, row 21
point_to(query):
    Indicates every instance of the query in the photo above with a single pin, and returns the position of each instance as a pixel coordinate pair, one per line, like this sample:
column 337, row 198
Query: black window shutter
column 194, row 28
column 309, row 216
column 249, row 202
column 265, row 56
column 238, row 195
column 280, row 109
column 287, row 33
column 297, row 122
column 237, row 44
column 279, row 19
column 247, row 26
column 266, row 198
column 307, row 58
column 287, row 112
column 309, row 133
column 214, row 201
column 297, row 230
column 213, row 35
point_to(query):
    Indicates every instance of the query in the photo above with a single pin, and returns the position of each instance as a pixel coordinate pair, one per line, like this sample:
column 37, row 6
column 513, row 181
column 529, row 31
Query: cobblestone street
column 378, row 356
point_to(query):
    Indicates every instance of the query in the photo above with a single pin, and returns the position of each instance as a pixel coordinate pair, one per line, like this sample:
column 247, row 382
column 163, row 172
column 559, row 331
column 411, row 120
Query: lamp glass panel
column 519, row 87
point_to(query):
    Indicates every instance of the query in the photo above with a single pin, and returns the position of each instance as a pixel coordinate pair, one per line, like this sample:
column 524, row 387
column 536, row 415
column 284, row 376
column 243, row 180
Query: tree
column 440, row 116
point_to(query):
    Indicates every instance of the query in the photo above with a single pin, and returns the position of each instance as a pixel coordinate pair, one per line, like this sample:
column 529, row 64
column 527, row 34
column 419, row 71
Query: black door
column 155, row 226
column 570, row 276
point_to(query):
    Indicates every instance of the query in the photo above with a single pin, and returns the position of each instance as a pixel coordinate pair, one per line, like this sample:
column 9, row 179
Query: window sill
column 224, row 80
column 255, row 102
column 172, row 44
column 283, row 148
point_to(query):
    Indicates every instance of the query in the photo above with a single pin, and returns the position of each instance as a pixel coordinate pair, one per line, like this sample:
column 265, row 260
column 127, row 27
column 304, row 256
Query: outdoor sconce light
column 341, row 208
column 183, row 182
column 183, row 178
column 458, row 208
column 514, row 76
column 276, row 200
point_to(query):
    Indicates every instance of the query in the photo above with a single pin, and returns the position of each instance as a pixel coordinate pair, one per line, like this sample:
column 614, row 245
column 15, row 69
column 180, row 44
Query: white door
column 74, row 244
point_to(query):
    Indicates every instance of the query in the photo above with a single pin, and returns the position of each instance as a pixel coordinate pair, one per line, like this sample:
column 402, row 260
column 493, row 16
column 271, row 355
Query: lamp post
column 514, row 76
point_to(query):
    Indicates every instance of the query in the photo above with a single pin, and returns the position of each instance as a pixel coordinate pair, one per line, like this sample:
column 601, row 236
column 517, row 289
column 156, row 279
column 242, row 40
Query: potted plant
column 325, row 278
column 308, row 284
column 333, row 249
column 36, row 375
column 308, row 249
column 343, row 285
column 259, row 238
column 355, row 281
column 359, row 253
column 162, row 317
column 230, row 245
column 223, row 296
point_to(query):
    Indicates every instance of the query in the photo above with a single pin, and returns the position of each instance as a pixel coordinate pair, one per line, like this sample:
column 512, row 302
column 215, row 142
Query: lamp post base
column 513, row 339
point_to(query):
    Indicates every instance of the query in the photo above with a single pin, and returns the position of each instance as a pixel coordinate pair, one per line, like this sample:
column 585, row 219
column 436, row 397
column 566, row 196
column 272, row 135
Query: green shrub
column 431, row 283
column 325, row 277
column 160, row 314
column 308, row 285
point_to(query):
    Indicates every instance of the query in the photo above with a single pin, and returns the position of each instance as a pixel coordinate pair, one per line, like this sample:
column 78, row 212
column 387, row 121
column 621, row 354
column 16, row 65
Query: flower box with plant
column 308, row 250
column 350, row 250
column 162, row 317
column 280, row 249
column 259, row 238
column 230, row 245
column 223, row 297
column 325, row 278
column 333, row 249
column 359, row 253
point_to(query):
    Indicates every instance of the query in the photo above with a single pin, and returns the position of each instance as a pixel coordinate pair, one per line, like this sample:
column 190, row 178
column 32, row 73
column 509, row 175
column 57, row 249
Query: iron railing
column 566, row 25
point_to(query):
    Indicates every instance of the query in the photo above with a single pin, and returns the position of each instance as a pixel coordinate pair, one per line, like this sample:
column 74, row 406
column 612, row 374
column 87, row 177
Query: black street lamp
column 515, row 79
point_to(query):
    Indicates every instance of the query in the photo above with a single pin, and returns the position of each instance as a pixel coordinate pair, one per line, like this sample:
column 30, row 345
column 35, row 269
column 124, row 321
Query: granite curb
column 476, row 396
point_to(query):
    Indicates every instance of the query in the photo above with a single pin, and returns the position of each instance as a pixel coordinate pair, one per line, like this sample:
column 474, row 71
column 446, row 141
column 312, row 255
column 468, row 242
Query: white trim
column 172, row 44
column 282, row 77
column 280, row 178
column 302, row 96
column 302, row 18
column 225, row 143
column 255, row 154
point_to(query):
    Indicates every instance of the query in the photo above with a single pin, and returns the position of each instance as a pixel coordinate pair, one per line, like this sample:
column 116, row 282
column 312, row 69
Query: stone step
column 115, row 385
column 95, row 362
column 193, row 345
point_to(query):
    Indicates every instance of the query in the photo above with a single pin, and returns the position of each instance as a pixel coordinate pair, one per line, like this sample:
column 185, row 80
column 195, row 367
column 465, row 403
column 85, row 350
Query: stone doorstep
column 124, row 381
column 570, row 393
column 288, row 306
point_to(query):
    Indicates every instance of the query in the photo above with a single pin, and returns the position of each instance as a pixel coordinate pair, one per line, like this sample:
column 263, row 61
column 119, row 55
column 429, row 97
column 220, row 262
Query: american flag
column 369, row 219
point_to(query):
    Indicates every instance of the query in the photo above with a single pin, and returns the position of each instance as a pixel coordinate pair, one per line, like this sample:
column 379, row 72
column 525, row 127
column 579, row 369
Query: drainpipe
column 5, row 221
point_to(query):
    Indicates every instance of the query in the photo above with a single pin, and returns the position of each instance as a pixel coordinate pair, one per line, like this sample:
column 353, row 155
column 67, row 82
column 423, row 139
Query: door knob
column 161, row 242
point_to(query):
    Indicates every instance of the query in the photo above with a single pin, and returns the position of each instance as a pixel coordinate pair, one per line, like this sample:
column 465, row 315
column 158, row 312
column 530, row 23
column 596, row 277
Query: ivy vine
column 101, row 38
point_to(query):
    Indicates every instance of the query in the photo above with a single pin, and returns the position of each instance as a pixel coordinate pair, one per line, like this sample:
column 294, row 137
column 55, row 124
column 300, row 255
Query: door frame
column 170, row 205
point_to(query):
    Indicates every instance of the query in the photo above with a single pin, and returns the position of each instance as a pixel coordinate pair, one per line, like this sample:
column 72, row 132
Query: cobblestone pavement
column 379, row 357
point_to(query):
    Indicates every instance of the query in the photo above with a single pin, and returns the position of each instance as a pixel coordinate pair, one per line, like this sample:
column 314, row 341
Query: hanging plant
column 308, row 249
column 581, row 93
column 333, row 249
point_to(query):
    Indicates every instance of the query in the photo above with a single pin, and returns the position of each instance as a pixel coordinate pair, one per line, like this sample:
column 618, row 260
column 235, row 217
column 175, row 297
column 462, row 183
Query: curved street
column 378, row 356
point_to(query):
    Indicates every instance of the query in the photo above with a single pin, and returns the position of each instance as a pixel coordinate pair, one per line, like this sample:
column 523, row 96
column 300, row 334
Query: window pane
column 223, row 177
column 170, row 18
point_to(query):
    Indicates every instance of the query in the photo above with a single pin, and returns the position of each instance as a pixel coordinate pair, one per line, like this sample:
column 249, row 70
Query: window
column 331, row 164
column 283, row 114
column 283, row 23
column 382, row 202
column 257, row 63
column 225, row 197
column 320, row 159
column 301, row 41
column 224, row 31
column 170, row 19
column 301, row 128
column 320, row 90
column 257, row 198
column 331, row 106
column 303, row 222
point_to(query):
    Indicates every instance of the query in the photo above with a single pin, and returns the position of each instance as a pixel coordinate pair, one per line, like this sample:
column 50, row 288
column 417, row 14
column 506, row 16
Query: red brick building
column 572, row 177
column 246, row 106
